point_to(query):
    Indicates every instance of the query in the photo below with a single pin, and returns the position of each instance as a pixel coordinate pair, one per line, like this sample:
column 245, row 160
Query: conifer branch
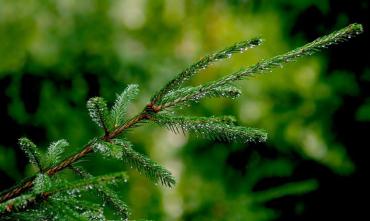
column 222, row 128
column 278, row 61
column 269, row 64
column 204, row 63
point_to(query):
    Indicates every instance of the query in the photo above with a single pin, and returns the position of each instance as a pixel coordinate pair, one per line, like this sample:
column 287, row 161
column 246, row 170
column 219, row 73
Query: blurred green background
column 54, row 55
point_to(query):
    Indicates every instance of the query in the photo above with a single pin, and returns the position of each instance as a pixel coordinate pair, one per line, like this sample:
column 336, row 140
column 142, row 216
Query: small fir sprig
column 99, row 113
column 54, row 152
column 119, row 108
column 31, row 151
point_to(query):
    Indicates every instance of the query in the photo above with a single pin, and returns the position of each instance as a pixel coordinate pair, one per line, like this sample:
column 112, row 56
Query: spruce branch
column 336, row 37
column 212, row 128
column 216, row 128
column 204, row 63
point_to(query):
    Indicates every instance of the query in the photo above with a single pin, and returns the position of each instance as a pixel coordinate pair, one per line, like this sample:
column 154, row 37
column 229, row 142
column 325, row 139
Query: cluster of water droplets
column 108, row 150
column 101, row 148
column 97, row 108
column 75, row 193
column 54, row 151
column 213, row 128
column 227, row 91
column 30, row 149
column 94, row 215
column 175, row 96
column 42, row 183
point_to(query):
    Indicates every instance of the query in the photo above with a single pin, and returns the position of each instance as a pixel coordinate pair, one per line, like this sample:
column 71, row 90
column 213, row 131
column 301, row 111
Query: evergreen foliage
column 204, row 63
column 31, row 151
column 54, row 152
column 119, row 108
column 143, row 164
column 62, row 197
column 107, row 194
column 99, row 113
column 48, row 196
